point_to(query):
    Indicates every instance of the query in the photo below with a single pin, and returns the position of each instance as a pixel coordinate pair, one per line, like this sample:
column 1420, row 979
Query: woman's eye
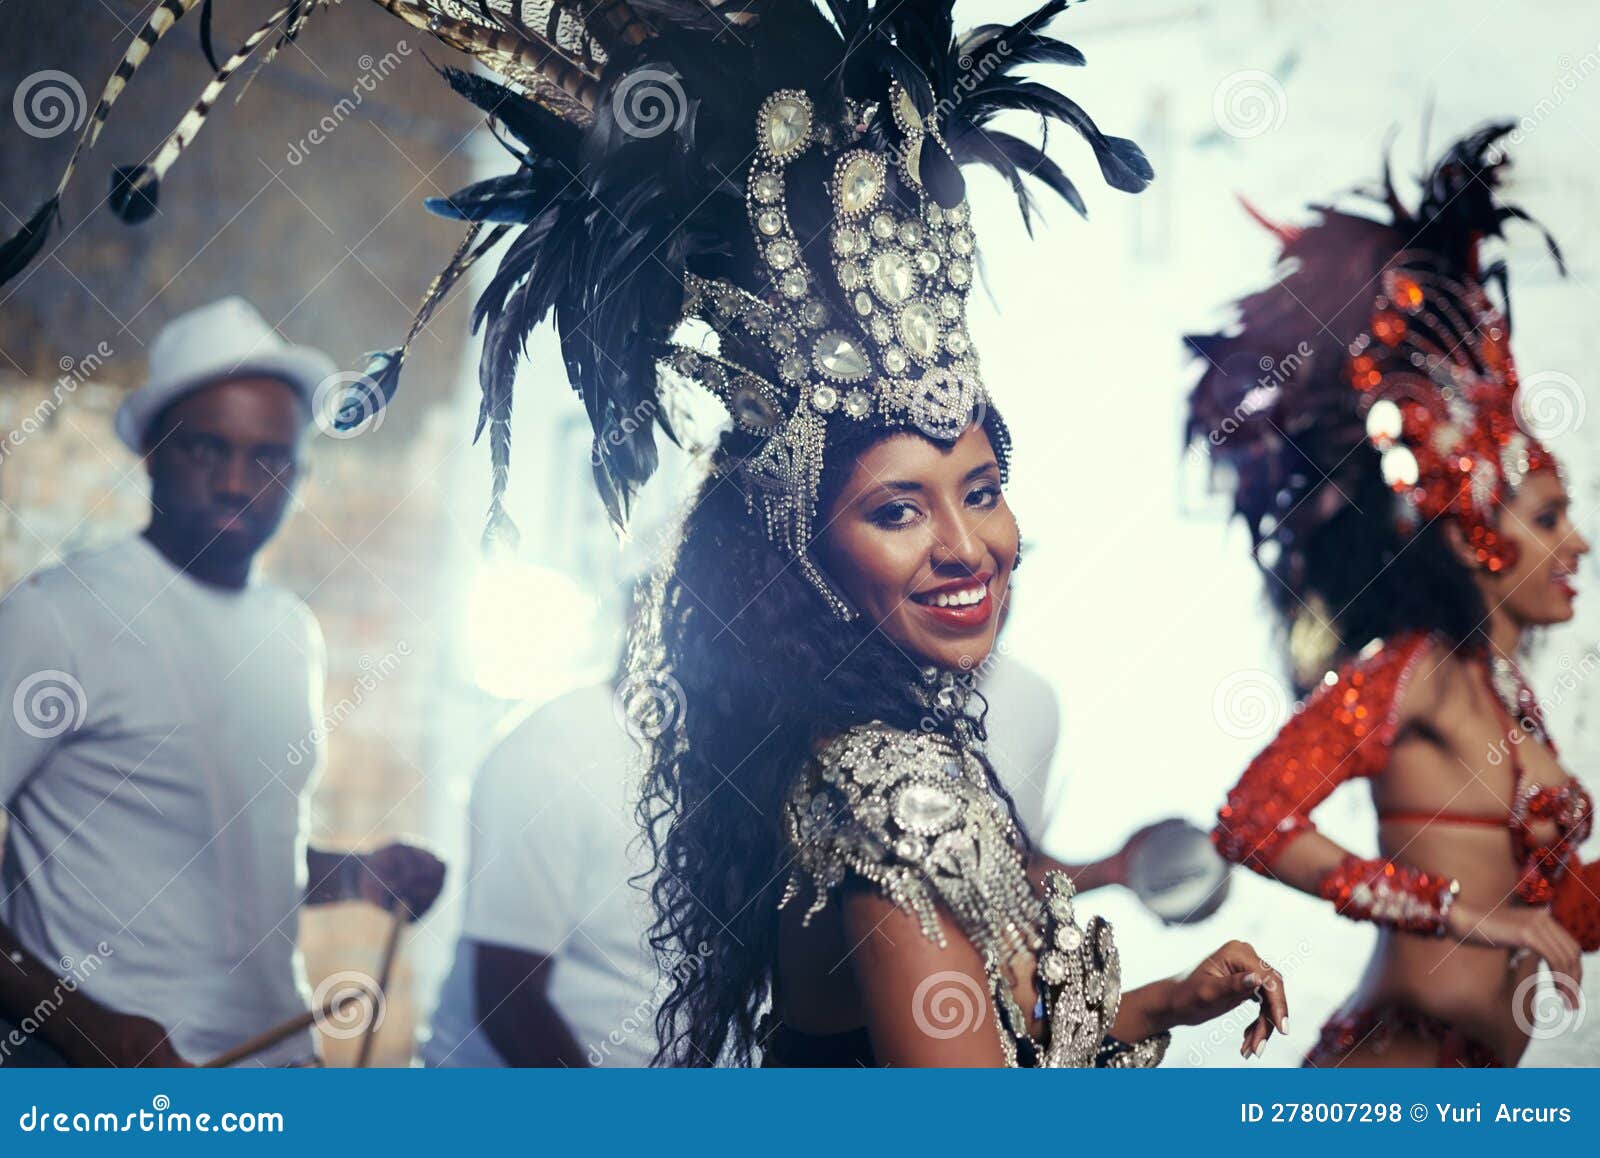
column 894, row 515
column 984, row 496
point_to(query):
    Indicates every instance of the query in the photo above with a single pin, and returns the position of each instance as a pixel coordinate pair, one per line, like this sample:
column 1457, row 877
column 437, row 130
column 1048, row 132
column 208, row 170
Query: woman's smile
column 961, row 603
column 922, row 543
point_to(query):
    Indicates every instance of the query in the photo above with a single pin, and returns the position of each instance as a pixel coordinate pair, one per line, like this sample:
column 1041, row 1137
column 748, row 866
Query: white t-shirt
column 156, row 749
column 1023, row 724
column 554, row 844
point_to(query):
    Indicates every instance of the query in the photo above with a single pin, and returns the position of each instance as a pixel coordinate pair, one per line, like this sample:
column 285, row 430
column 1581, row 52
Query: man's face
column 223, row 464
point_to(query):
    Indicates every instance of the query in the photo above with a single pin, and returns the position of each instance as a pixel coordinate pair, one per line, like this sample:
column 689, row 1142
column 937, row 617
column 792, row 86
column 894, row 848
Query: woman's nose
column 958, row 544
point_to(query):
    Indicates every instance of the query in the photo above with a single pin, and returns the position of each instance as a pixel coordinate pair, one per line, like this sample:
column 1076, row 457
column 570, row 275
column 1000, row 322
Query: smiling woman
column 1415, row 534
column 921, row 541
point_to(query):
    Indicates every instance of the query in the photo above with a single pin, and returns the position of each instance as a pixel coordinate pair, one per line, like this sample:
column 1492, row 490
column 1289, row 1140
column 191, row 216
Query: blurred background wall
column 1138, row 602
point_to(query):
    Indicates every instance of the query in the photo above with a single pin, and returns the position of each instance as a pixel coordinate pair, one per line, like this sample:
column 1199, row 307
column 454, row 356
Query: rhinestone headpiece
column 1439, row 397
column 876, row 332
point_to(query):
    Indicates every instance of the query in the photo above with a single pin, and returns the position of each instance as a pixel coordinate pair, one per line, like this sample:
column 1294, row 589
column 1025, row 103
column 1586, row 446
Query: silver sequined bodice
column 914, row 815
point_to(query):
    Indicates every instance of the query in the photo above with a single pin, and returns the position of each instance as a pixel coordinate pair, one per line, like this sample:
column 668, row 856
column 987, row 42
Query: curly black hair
column 766, row 673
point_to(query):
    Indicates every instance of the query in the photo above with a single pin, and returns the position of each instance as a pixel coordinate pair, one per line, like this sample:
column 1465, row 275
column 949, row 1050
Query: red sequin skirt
column 1375, row 1027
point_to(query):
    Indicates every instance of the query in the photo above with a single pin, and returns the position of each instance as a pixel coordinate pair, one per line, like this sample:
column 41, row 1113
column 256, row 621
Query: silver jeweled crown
column 884, row 339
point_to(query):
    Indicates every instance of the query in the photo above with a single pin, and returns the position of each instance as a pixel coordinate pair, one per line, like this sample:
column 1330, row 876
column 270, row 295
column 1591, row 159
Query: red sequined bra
column 1345, row 730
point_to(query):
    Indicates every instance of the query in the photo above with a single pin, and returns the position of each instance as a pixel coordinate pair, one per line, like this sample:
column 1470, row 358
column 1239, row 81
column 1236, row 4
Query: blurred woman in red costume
column 1412, row 536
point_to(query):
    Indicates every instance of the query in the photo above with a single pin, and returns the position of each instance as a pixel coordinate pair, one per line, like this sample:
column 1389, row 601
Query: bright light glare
column 529, row 630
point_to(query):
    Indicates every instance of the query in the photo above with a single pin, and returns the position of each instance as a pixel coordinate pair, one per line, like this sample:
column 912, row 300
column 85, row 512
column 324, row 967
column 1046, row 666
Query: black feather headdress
column 783, row 174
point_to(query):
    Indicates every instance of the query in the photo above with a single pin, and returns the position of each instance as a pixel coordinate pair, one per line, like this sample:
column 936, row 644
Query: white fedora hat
column 226, row 339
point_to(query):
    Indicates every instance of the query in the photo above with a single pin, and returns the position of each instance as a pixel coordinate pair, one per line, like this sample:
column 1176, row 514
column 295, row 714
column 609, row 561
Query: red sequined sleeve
column 1342, row 731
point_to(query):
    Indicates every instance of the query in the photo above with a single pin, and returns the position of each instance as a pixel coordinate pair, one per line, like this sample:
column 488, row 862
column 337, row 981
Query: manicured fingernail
column 1283, row 1026
column 1261, row 1048
column 1252, row 979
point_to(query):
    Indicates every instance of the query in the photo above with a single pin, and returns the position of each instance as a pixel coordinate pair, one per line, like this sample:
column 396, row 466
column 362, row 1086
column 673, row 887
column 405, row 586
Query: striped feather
column 382, row 373
column 552, row 75
column 20, row 249
column 135, row 189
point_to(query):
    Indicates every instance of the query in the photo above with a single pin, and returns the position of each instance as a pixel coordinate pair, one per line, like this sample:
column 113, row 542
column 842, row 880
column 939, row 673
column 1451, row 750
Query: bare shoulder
column 1433, row 675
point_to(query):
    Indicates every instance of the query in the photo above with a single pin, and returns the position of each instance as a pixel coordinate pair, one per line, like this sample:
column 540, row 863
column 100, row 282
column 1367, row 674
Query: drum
column 1176, row 872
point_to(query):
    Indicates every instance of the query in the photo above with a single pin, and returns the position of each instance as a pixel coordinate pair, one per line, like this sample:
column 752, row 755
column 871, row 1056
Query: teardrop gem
column 919, row 329
column 838, row 357
column 787, row 123
column 860, row 184
column 892, row 277
column 753, row 410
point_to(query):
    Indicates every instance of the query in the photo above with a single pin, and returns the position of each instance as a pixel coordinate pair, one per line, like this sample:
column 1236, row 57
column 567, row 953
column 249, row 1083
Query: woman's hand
column 1225, row 980
column 1514, row 926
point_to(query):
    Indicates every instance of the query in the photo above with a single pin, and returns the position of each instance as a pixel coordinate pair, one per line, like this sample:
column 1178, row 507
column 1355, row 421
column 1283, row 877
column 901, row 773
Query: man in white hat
column 154, row 763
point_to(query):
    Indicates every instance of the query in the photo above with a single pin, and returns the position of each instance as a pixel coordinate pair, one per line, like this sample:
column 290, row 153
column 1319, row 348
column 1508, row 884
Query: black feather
column 371, row 392
column 135, row 191
column 23, row 246
column 610, row 220
column 207, row 45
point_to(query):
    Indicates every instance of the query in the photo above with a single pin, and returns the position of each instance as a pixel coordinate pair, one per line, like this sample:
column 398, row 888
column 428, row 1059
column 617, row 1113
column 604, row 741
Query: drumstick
column 396, row 926
column 266, row 1039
